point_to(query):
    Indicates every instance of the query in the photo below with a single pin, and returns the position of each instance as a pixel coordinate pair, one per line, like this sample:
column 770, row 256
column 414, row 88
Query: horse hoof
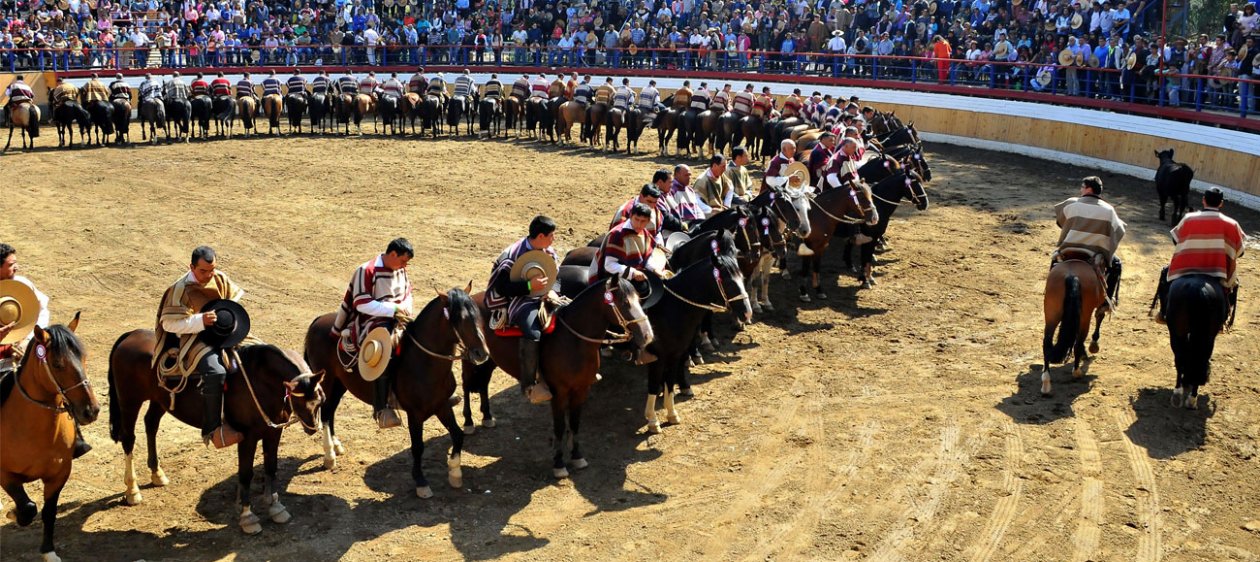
column 1192, row 402
column 579, row 464
column 1093, row 347
column 673, row 419
column 250, row 524
column 470, row 429
column 424, row 492
column 330, row 462
column 1077, row 373
column 489, row 422
column 133, row 497
column 654, row 427
column 767, row 306
column 280, row 515
column 1176, row 398
column 51, row 557
column 560, row 472
column 159, row 478
column 756, row 308
column 456, row 482
column 339, row 448
column 11, row 515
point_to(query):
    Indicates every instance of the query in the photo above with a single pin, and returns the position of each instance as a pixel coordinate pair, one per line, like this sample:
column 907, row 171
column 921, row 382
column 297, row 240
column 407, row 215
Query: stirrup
column 224, row 436
column 643, row 357
column 387, row 418
column 538, row 393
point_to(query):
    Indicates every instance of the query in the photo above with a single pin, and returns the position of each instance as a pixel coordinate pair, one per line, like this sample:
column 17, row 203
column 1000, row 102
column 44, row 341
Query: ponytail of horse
column 1069, row 326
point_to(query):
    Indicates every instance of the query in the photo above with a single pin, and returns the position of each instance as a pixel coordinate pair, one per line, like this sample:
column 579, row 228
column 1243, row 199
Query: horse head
column 303, row 393
column 465, row 322
column 623, row 310
column 729, row 281
column 789, row 207
column 1164, row 155
column 57, row 353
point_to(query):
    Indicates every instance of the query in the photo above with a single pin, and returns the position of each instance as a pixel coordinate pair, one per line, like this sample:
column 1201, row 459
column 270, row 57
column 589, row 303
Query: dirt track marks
column 1088, row 531
column 1148, row 509
column 1004, row 511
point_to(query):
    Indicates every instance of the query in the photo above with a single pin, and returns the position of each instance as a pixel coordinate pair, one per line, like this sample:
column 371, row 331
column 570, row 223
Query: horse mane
column 60, row 341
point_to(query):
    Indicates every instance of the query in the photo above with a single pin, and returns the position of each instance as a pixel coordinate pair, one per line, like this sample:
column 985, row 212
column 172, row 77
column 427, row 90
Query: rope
column 708, row 307
column 846, row 220
column 433, row 353
column 609, row 341
column 250, row 386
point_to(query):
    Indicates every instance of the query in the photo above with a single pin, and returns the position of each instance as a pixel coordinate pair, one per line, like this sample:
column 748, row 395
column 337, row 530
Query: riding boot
column 1113, row 280
column 385, row 416
column 213, row 430
column 81, row 446
column 1161, row 295
column 534, row 389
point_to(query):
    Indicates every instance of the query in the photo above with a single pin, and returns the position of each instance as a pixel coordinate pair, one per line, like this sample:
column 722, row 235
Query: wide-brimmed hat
column 1066, row 57
column 532, row 265
column 1077, row 21
column 658, row 260
column 932, row 7
column 18, row 306
column 796, row 169
column 1044, row 77
column 650, row 290
column 837, row 33
column 231, row 324
column 1131, row 61
column 374, row 353
column 676, row 240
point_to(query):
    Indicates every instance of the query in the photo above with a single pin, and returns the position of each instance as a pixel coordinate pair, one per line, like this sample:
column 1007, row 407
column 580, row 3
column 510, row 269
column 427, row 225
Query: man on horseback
column 764, row 103
column 557, row 88
column 737, row 174
column 437, row 87
column 820, row 158
column 369, row 84
column 659, row 217
column 1208, row 243
column 774, row 170
column 603, row 98
column 700, row 98
column 94, row 91
column 320, row 84
column 392, row 86
column 721, row 102
column 18, row 92
column 628, row 246
column 464, row 89
column 272, row 85
column 841, row 170
column 493, row 89
column 245, row 89
column 682, row 200
column 177, row 329
column 793, row 104
column 13, row 347
column 1090, row 229
column 713, row 187
column 63, row 93
column 199, row 87
column 520, row 88
column 583, row 94
column 539, row 87
column 682, row 97
column 174, row 90
column 379, row 295
column 220, row 86
column 418, row 83
column 623, row 96
column 150, row 89
column 743, row 103
column 521, row 301
column 295, row 85
column 649, row 102
column 119, row 90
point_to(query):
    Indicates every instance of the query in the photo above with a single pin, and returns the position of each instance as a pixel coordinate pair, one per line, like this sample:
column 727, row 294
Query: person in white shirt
column 371, row 38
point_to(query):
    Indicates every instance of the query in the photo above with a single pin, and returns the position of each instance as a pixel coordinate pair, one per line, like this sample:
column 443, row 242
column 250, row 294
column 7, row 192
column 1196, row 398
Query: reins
column 288, row 400
column 56, row 408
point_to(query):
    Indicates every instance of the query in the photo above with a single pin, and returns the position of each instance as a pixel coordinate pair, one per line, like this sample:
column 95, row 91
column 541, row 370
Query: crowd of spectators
column 1033, row 44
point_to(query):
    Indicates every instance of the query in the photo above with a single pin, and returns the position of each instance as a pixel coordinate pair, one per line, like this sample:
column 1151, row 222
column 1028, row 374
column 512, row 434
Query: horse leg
column 127, row 430
column 764, row 279
column 415, row 427
column 671, row 414
column 1047, row 343
column 244, row 475
column 656, row 376
column 1098, row 318
column 24, row 510
column 575, row 420
column 560, row 427
column 52, row 491
column 271, row 462
column 1078, row 351
column 454, row 470
column 6, row 145
column 332, row 446
column 152, row 419
column 1163, row 200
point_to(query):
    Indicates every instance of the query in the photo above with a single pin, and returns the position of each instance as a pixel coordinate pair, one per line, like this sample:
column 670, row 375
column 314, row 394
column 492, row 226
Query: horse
column 666, row 123
column 709, row 125
column 409, row 110
column 789, row 211
column 1074, row 290
column 268, row 389
column 490, row 116
column 66, row 116
column 689, row 129
column 750, row 130
column 632, row 119
column 348, row 109
column 884, row 123
column 273, row 106
column 888, row 194
column 714, row 285
column 122, row 121
column 906, row 135
column 568, row 358
column 38, row 440
column 826, row 211
column 202, row 109
column 295, row 105
column 757, row 268
column 431, row 115
column 1172, row 181
column 246, row 108
column 597, row 117
column 224, row 112
column 456, row 107
column 729, row 132
column 513, row 110
column 390, row 111
column 366, row 105
column 153, row 113
column 23, row 115
column 420, row 376
column 320, row 111
column 572, row 113
column 102, row 113
column 179, row 113
column 1195, row 314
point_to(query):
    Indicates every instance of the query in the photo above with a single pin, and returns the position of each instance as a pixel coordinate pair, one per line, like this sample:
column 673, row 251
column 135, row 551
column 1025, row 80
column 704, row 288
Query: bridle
column 914, row 197
column 611, row 337
column 40, row 353
column 461, row 348
column 866, row 211
column 711, row 307
column 288, row 399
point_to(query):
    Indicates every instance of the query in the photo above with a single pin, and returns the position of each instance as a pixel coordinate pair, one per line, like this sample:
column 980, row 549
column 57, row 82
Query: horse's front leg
column 575, row 420
column 328, row 415
column 152, row 419
column 656, row 377
column 244, row 475
column 454, row 467
column 271, row 463
column 560, row 428
column 415, row 427
column 52, row 491
column 24, row 510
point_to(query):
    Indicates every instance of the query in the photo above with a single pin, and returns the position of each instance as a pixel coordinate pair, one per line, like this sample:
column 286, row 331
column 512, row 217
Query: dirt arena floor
column 900, row 423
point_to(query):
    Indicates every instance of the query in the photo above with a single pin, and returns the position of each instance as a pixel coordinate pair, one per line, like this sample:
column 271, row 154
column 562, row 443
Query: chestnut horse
column 1074, row 290
column 568, row 358
column 24, row 116
column 38, row 439
column 273, row 106
column 420, row 376
column 268, row 389
column 833, row 207
column 247, row 107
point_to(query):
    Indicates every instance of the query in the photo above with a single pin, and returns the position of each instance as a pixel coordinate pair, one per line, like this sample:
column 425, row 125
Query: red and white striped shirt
column 1208, row 243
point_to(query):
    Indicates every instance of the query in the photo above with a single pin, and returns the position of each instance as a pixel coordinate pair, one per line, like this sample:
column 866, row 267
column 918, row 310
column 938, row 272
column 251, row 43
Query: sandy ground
column 900, row 423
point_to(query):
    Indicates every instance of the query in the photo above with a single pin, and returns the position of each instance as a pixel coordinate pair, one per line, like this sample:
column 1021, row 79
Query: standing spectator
column 941, row 51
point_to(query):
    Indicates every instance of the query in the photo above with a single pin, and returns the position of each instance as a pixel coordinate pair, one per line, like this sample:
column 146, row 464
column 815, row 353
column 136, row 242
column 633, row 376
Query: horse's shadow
column 1028, row 406
column 1166, row 431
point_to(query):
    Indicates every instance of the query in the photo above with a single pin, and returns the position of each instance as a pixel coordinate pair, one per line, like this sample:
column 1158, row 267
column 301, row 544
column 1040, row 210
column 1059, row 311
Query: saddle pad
column 515, row 332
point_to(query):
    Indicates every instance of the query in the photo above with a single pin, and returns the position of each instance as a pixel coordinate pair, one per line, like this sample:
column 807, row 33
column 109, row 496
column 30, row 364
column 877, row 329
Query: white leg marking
column 653, row 425
column 249, row 522
column 159, row 477
column 454, row 472
column 276, row 511
column 330, row 450
column 671, row 414
column 1045, row 383
column 132, row 495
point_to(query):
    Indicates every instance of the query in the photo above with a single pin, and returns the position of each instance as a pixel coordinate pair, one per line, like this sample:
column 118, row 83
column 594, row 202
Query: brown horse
column 366, row 106
column 571, row 113
column 568, row 358
column 247, row 107
column 513, row 112
column 1074, row 290
column 409, row 110
column 273, row 106
column 597, row 117
column 25, row 116
column 833, row 207
column 420, row 376
column 268, row 389
column 38, row 440
column 666, row 124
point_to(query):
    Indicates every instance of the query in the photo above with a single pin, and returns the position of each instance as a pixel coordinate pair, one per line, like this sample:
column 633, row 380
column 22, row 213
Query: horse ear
column 468, row 289
column 41, row 336
column 439, row 292
column 74, row 324
column 317, row 378
column 291, row 385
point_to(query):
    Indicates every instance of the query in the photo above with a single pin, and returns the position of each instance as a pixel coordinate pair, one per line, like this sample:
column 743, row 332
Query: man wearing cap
column 1089, row 225
column 11, row 353
column 379, row 295
column 1208, row 243
column 520, row 301
column 179, row 323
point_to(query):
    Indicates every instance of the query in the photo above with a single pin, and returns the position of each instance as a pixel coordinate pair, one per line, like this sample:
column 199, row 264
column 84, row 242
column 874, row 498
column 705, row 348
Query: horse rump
column 1069, row 328
column 1197, row 310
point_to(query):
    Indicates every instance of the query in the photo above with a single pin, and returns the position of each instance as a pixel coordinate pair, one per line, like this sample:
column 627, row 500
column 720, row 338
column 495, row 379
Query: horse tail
column 32, row 126
column 1070, row 324
column 115, row 407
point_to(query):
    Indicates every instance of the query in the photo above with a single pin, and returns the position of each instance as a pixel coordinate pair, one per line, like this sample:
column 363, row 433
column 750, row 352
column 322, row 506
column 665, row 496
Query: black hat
column 230, row 327
column 650, row 290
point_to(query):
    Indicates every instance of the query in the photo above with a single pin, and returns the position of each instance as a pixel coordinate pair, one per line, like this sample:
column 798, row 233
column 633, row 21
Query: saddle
column 549, row 326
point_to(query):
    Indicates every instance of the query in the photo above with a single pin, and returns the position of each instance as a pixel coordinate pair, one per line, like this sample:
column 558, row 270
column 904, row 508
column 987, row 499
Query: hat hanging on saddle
column 18, row 306
column 676, row 240
column 231, row 324
column 650, row 290
column 1066, row 57
column 374, row 353
column 797, row 174
column 532, row 265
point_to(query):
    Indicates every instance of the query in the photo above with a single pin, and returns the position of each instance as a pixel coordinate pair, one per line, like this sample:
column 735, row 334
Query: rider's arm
column 192, row 324
column 379, row 308
column 611, row 265
column 506, row 287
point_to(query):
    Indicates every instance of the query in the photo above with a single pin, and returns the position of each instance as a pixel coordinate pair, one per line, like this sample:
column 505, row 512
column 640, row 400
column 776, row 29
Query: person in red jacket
column 1208, row 243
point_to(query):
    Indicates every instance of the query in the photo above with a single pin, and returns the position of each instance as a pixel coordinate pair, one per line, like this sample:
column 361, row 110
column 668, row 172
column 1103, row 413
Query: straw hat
column 1065, row 57
column 1093, row 60
column 932, row 7
column 676, row 240
column 1077, row 21
column 658, row 260
column 1001, row 51
column 1044, row 77
column 1131, row 61
column 374, row 353
column 532, row 265
column 1080, row 59
column 18, row 306
column 797, row 174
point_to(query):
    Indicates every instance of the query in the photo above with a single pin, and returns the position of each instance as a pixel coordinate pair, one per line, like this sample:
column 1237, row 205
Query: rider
column 94, row 90
column 245, row 88
column 11, row 354
column 199, row 87
column 841, row 169
column 379, row 295
column 392, row 86
column 119, row 89
column 369, row 84
column 437, row 87
column 271, row 85
column 18, row 92
column 175, row 90
column 650, row 196
column 464, row 88
column 623, row 96
column 819, row 158
column 295, row 84
column 603, row 97
column 700, row 98
column 520, row 88
column 521, row 305
column 793, row 104
column 649, row 101
column 628, row 246
column 570, row 87
column 1090, row 226
column 809, row 111
column 1208, row 243
column 150, row 89
column 418, row 83
column 63, row 93
column 347, row 84
column 774, row 170
column 721, row 102
column 540, row 87
column 321, row 84
column 179, row 323
column 582, row 95
column 493, row 89
column 220, row 86
column 713, row 187
column 682, row 200
column 764, row 103
column 557, row 88
column 682, row 97
column 743, row 103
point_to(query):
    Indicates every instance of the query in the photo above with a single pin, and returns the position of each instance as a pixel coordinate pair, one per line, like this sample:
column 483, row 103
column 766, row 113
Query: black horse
column 431, row 115
column 66, row 117
column 888, row 195
column 489, row 115
column 202, row 106
column 320, row 109
column 391, row 116
column 295, row 105
column 178, row 113
column 1196, row 312
column 122, row 121
column 1172, row 181
column 102, row 113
